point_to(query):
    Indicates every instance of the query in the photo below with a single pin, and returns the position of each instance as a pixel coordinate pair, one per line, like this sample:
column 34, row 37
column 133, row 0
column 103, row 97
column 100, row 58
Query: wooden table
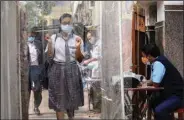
column 144, row 108
column 148, row 88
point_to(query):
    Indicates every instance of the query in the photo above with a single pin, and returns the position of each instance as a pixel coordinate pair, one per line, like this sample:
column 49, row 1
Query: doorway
column 139, row 39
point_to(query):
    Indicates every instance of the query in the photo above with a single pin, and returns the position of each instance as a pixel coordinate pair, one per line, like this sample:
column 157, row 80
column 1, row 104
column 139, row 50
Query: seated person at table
column 163, row 74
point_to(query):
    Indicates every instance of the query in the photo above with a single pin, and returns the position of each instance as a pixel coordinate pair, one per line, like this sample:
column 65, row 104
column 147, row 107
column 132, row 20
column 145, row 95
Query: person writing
column 163, row 74
column 65, row 83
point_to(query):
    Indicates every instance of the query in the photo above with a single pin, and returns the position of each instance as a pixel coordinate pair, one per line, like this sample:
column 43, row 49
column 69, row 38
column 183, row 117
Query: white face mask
column 67, row 28
column 148, row 63
column 31, row 39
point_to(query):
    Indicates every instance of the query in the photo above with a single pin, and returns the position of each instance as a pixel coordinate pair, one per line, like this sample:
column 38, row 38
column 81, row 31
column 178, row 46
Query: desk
column 140, row 109
column 148, row 88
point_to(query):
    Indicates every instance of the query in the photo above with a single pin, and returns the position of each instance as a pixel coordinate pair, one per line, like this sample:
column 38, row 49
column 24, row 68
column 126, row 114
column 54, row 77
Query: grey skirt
column 65, row 87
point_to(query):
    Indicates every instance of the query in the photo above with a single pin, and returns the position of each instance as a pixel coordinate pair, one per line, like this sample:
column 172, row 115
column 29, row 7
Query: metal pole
column 100, row 61
column 121, row 60
column 43, row 55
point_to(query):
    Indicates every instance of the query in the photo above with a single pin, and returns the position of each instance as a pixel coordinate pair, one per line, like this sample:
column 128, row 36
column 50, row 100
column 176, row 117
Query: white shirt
column 33, row 54
column 96, row 53
column 60, row 48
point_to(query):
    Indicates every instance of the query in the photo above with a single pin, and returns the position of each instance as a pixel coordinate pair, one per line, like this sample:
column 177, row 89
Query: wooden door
column 138, row 40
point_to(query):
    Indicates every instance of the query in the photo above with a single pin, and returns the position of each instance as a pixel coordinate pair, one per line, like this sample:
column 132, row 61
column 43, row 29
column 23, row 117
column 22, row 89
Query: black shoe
column 70, row 114
column 37, row 111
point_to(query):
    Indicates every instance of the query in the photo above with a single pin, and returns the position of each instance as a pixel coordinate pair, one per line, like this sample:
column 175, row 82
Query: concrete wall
column 160, row 26
column 160, row 11
column 160, row 35
column 174, row 42
column 152, row 14
column 126, row 24
column 23, row 64
column 169, row 31
column 110, row 55
column 10, row 89
column 95, row 13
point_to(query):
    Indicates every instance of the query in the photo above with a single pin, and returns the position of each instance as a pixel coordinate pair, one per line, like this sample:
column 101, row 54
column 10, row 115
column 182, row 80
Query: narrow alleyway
column 46, row 113
column 109, row 37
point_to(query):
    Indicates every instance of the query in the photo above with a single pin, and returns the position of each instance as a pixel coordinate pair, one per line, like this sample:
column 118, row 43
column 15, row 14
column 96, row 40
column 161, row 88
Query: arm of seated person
column 145, row 83
column 149, row 83
column 157, row 74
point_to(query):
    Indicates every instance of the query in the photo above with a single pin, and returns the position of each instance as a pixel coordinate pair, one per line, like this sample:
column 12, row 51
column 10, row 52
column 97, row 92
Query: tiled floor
column 46, row 113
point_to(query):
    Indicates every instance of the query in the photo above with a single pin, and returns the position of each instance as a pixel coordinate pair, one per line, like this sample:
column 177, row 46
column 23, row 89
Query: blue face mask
column 67, row 28
column 31, row 39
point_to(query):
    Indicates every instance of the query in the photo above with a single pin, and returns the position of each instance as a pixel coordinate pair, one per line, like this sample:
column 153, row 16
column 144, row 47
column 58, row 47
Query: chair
column 180, row 113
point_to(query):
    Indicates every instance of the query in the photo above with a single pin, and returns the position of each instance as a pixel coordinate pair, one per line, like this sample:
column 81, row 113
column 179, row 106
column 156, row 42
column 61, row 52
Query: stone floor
column 46, row 113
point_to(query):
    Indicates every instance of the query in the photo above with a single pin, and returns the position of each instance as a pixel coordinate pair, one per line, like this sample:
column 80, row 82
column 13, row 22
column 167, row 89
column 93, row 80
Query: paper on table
column 144, row 85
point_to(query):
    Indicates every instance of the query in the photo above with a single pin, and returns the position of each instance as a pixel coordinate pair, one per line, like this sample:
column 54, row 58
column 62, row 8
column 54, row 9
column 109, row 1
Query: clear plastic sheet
column 117, row 22
column 111, row 54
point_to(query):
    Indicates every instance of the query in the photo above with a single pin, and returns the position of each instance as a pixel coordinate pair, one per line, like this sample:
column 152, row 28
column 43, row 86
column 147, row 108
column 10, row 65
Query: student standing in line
column 35, row 59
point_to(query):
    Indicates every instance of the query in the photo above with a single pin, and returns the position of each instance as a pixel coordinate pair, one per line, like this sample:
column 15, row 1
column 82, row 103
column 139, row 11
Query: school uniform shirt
column 58, row 46
column 157, row 72
column 96, row 53
column 96, row 50
column 33, row 54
